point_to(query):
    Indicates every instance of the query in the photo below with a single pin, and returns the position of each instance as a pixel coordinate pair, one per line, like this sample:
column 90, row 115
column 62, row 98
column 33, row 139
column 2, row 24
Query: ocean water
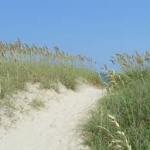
column 104, row 78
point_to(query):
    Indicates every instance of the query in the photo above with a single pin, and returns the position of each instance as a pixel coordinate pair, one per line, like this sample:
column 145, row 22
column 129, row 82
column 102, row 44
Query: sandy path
column 53, row 128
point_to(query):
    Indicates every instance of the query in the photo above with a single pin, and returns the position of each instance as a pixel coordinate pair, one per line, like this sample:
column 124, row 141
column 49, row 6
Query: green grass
column 36, row 104
column 13, row 76
column 20, row 64
column 128, row 100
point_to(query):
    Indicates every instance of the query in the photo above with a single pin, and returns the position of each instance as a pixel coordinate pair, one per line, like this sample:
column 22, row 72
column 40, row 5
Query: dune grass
column 121, row 119
column 20, row 63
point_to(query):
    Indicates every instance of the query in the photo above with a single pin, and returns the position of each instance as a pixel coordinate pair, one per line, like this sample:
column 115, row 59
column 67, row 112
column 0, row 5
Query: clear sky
column 95, row 28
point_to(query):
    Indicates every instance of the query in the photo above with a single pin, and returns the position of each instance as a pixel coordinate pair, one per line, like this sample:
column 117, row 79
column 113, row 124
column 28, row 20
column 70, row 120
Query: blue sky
column 95, row 28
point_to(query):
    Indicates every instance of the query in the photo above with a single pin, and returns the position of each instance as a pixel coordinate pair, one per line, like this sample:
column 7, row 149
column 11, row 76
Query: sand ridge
column 54, row 127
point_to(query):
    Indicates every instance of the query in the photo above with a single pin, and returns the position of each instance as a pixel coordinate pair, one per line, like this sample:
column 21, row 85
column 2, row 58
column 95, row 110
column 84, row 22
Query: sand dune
column 53, row 127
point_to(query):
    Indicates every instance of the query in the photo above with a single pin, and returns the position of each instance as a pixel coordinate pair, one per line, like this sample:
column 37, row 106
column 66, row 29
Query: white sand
column 52, row 128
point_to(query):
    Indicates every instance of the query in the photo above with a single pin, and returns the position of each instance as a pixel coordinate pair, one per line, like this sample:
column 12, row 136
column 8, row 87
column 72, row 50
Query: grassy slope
column 20, row 64
column 14, row 75
column 128, row 103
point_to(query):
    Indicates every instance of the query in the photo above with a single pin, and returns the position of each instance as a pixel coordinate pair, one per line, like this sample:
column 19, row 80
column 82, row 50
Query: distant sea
column 104, row 78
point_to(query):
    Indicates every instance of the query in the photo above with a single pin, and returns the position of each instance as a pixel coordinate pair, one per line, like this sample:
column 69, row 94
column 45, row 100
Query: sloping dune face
column 54, row 126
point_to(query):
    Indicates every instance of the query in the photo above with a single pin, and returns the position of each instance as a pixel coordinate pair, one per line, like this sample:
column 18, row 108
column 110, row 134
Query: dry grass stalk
column 121, row 142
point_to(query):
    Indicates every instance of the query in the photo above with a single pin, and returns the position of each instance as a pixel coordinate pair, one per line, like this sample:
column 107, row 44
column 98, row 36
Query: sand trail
column 52, row 128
